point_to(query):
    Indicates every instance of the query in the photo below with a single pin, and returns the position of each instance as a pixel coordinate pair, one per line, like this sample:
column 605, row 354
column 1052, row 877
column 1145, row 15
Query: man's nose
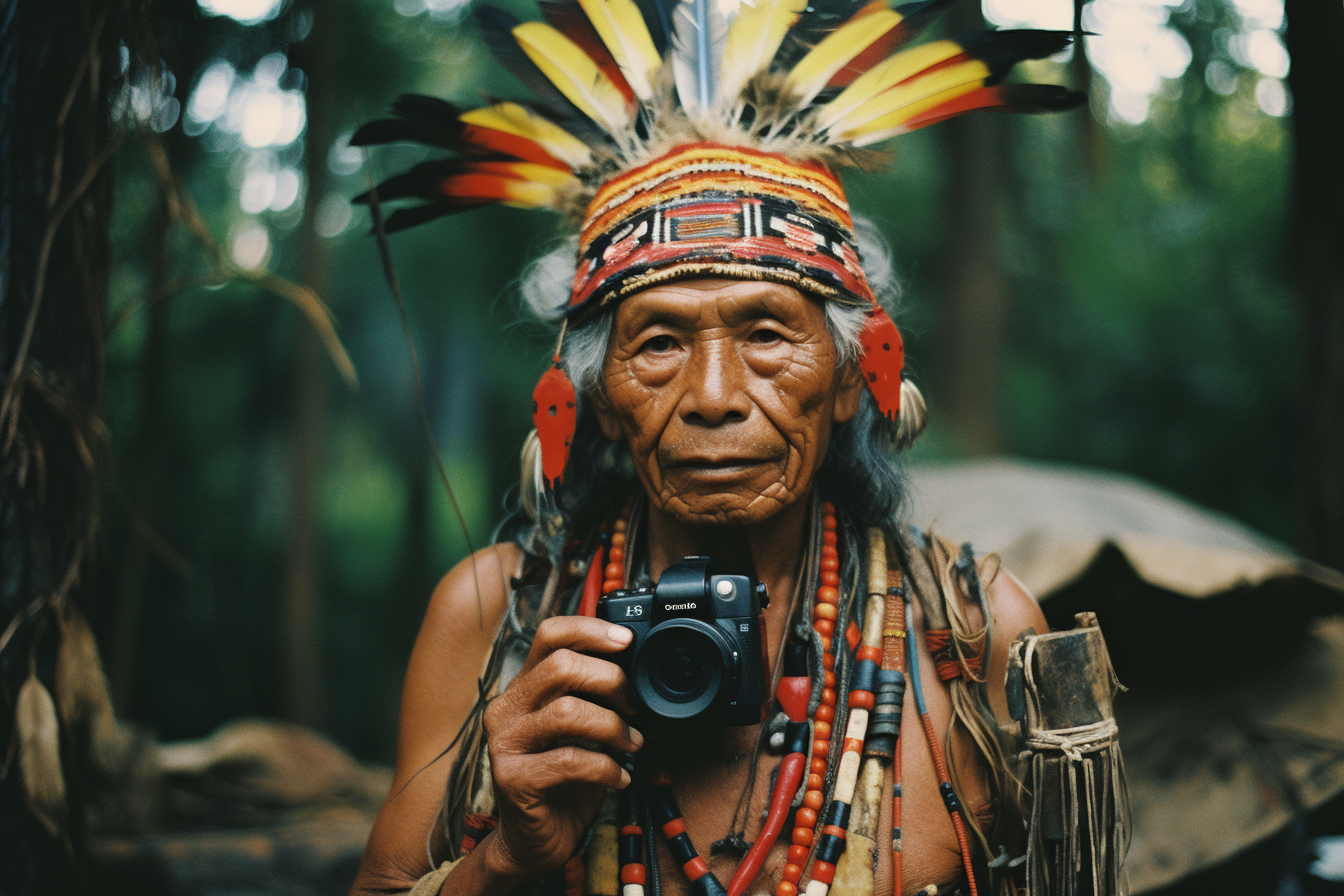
column 715, row 385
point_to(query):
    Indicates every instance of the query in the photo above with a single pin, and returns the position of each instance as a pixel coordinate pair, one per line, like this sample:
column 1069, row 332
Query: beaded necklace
column 877, row 685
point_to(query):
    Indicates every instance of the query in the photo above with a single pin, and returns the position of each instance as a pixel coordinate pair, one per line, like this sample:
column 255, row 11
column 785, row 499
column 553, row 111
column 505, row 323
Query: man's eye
column 765, row 337
column 660, row 343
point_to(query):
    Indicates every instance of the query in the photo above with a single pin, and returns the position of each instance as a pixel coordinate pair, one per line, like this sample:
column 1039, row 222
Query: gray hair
column 545, row 289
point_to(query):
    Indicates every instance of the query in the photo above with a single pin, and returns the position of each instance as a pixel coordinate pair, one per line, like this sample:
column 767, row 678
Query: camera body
column 698, row 648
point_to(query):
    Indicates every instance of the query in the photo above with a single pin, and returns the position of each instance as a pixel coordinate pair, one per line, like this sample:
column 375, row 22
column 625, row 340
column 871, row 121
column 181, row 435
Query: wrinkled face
column 725, row 392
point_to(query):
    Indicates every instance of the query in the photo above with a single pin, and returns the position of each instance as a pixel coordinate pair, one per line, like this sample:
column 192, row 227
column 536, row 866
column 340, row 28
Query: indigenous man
column 736, row 392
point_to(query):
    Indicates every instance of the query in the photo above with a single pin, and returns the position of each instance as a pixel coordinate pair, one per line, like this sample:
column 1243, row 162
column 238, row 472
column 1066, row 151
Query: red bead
column 825, row 713
column 632, row 830
column 829, row 563
column 617, row 555
column 821, row 730
column 826, row 643
column 825, row 627
column 792, row 873
column 803, row 836
column 814, row 800
column 828, row 696
column 853, row 636
column 818, row 766
column 869, row 653
column 695, row 869
column 827, row 595
column 614, row 571
column 673, row 828
column 798, row 854
column 828, row 537
column 610, row 585
column 828, row 509
column 821, row 749
column 829, row 680
column 815, row 782
column 785, row 888
column 828, row 660
column 806, row 817
column 831, row 578
column 861, row 700
column 823, row 872
column 632, row 874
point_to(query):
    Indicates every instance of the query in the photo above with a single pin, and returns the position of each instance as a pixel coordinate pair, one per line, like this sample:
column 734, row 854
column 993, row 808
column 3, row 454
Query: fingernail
column 636, row 738
column 625, row 778
column 620, row 634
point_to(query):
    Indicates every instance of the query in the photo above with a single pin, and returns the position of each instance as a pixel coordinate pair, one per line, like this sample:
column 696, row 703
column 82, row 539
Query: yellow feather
column 575, row 74
column 835, row 51
column 753, row 38
column 896, row 100
column 894, row 123
column 885, row 74
column 621, row 26
column 512, row 118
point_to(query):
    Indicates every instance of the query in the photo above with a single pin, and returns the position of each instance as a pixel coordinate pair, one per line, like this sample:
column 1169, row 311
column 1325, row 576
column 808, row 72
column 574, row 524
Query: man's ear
column 849, row 390
column 606, row 418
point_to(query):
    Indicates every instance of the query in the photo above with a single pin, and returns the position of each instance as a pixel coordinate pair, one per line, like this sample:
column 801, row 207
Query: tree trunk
column 57, row 63
column 1315, row 39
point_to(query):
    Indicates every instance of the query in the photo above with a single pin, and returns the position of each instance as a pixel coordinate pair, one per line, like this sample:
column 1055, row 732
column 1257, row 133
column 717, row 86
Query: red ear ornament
column 554, row 413
column 882, row 361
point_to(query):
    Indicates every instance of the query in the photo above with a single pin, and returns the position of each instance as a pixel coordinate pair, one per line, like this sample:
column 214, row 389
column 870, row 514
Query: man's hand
column 551, row 735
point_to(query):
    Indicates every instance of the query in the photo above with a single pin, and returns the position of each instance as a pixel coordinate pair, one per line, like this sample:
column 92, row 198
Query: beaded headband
column 684, row 139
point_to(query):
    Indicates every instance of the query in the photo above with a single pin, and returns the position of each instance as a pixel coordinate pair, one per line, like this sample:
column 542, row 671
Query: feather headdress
column 684, row 141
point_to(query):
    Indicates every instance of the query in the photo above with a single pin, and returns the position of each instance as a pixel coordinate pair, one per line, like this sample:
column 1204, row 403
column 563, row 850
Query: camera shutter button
column 724, row 588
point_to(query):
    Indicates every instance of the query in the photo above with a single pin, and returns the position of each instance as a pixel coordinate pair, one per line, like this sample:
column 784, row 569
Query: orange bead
column 825, row 713
column 827, row 595
column 829, row 563
column 784, row 888
column 830, row 578
column 619, row 526
column 814, row 799
column 821, row 749
column 826, row 643
column 821, row 730
column 815, row 782
column 792, row 873
column 825, row 610
column 828, row 660
column 614, row 571
column 818, row 766
column 829, row 681
column 828, row 537
column 861, row 700
column 825, row 627
column 828, row 696
column 828, row 509
column 609, row 586
column 798, row 854
column 803, row 836
column 806, row 817
column 617, row 555
column 617, row 539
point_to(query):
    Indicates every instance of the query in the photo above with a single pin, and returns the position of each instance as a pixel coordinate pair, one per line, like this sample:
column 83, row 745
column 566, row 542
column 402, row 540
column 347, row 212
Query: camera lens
column 682, row 667
column 682, row 674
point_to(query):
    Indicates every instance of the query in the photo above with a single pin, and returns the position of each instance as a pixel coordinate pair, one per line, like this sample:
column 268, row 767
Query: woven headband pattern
column 706, row 210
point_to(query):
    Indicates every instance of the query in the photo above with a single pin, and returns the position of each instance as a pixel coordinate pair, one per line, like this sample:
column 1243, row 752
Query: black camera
column 697, row 651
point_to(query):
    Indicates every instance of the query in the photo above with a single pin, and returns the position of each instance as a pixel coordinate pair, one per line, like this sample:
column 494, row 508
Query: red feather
column 554, row 414
column 882, row 362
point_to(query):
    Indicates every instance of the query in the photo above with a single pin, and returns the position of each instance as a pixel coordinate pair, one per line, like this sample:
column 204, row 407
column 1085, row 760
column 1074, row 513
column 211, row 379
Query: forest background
column 1128, row 285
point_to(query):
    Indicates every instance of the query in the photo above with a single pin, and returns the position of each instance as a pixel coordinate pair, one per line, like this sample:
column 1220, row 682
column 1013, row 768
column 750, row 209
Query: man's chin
column 738, row 507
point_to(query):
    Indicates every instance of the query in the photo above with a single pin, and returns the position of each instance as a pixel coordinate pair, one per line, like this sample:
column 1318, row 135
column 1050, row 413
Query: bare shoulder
column 470, row 600
column 1016, row 615
column 1015, row 609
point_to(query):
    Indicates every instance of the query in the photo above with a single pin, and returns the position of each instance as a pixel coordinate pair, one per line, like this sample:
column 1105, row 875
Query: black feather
column 1001, row 50
column 405, row 218
column 1041, row 97
column 659, row 21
